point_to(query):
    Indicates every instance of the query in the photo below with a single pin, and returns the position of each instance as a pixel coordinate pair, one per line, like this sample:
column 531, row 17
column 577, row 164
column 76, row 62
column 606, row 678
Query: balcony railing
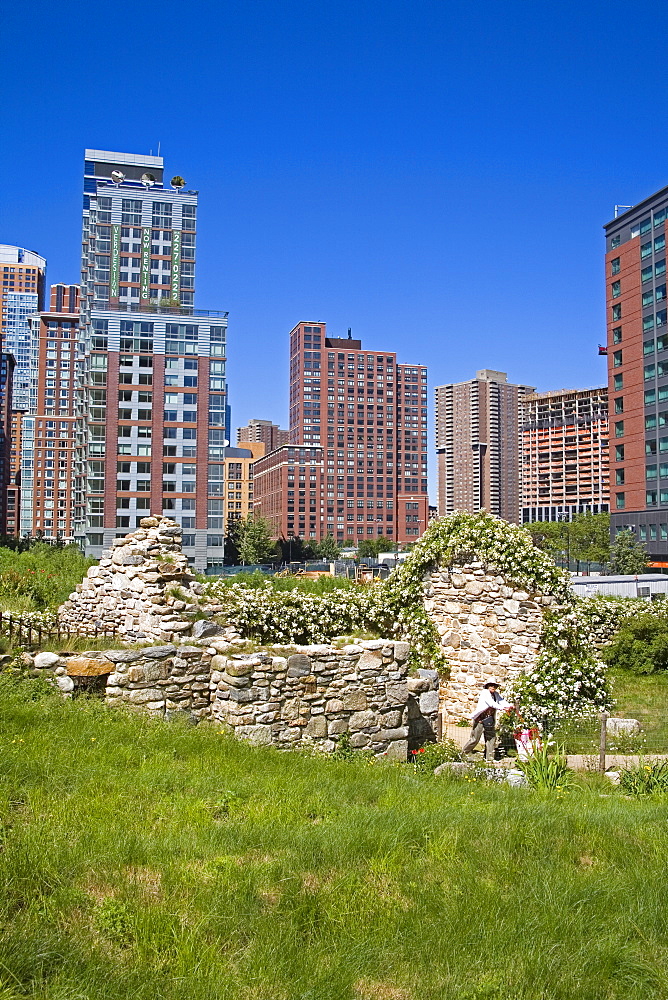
column 157, row 309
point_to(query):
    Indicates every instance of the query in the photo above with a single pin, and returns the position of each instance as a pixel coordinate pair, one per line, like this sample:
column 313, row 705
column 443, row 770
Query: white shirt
column 489, row 700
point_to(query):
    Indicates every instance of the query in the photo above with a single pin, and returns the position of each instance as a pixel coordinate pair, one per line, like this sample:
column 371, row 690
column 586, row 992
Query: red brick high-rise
column 356, row 465
column 48, row 431
column 637, row 322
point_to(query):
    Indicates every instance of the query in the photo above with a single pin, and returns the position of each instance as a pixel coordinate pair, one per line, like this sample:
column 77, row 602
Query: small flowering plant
column 430, row 755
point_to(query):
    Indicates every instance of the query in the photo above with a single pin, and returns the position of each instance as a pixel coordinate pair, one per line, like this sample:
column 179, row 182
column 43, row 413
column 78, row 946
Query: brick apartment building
column 565, row 467
column 45, row 484
column 270, row 435
column 356, row 465
column 153, row 416
column 478, row 445
column 637, row 328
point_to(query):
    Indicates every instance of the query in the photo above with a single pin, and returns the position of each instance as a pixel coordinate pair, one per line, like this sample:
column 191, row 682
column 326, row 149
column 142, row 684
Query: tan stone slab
column 86, row 666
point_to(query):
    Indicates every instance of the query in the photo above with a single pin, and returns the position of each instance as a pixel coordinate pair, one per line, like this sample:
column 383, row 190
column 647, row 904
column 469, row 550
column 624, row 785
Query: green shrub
column 429, row 756
column 640, row 646
column 645, row 779
column 546, row 772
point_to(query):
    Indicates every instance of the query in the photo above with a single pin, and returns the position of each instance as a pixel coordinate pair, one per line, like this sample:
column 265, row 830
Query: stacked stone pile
column 131, row 590
column 487, row 629
column 320, row 692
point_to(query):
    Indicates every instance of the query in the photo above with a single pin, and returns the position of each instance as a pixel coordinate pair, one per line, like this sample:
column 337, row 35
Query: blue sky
column 433, row 174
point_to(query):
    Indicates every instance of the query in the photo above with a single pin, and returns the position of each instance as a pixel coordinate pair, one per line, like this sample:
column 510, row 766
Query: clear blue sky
column 433, row 174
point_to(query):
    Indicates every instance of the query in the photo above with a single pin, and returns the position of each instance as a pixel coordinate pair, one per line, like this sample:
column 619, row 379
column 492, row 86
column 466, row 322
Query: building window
column 617, row 335
column 616, row 289
column 619, row 477
column 617, row 311
column 615, row 265
column 620, row 501
column 619, row 404
column 618, row 381
column 645, row 250
column 646, row 274
column 650, row 447
column 650, row 498
column 619, row 453
column 619, row 428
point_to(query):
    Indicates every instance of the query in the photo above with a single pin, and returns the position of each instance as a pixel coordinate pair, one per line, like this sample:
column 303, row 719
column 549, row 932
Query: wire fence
column 31, row 634
column 595, row 743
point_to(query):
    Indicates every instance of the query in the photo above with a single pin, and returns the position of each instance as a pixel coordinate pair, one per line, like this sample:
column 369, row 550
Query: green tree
column 627, row 554
column 252, row 539
column 370, row 548
column 327, row 548
column 590, row 538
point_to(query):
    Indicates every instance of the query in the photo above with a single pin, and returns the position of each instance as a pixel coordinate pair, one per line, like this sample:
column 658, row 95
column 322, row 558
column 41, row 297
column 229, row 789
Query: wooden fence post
column 602, row 742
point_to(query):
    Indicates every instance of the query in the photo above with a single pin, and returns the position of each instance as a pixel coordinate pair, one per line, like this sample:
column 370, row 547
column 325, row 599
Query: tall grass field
column 152, row 860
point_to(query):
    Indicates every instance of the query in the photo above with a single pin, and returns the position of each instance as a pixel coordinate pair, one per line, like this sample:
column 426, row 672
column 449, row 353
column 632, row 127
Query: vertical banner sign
column 115, row 261
column 145, row 264
column 176, row 265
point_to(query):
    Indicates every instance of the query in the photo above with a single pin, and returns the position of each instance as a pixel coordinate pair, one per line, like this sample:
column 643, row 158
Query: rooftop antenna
column 617, row 208
column 158, row 147
column 350, row 333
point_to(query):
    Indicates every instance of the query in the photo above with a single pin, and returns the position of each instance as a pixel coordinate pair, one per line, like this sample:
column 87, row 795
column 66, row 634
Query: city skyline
column 356, row 192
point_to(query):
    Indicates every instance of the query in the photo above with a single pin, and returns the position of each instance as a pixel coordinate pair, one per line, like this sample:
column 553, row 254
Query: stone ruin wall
column 310, row 695
column 143, row 590
column 488, row 628
column 133, row 589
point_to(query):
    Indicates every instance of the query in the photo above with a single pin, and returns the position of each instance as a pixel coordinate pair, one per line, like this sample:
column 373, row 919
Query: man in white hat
column 484, row 719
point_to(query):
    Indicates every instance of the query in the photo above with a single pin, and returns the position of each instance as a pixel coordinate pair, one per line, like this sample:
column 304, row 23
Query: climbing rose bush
column 393, row 608
column 568, row 681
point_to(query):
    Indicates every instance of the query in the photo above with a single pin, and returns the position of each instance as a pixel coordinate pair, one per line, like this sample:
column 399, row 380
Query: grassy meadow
column 40, row 578
column 151, row 860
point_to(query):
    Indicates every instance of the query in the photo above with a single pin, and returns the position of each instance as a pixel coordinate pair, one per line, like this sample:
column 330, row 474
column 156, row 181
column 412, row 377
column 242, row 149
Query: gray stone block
column 397, row 750
column 396, row 693
column 204, row 629
column 361, row 720
column 299, row 665
column 157, row 652
column 46, row 661
column 429, row 702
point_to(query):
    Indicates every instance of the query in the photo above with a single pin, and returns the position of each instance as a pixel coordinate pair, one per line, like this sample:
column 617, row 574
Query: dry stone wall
column 310, row 695
column 487, row 628
column 142, row 588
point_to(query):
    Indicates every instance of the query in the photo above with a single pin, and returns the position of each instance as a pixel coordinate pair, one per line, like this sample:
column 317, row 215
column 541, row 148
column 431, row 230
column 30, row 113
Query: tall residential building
column 271, row 435
column 478, row 445
column 637, row 322
column 153, row 414
column 14, row 481
column 7, row 365
column 47, row 429
column 236, row 499
column 356, row 465
column 565, row 454
column 23, row 280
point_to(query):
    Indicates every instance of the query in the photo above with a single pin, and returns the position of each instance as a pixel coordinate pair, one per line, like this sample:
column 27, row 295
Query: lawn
column 643, row 697
column 41, row 578
column 152, row 860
